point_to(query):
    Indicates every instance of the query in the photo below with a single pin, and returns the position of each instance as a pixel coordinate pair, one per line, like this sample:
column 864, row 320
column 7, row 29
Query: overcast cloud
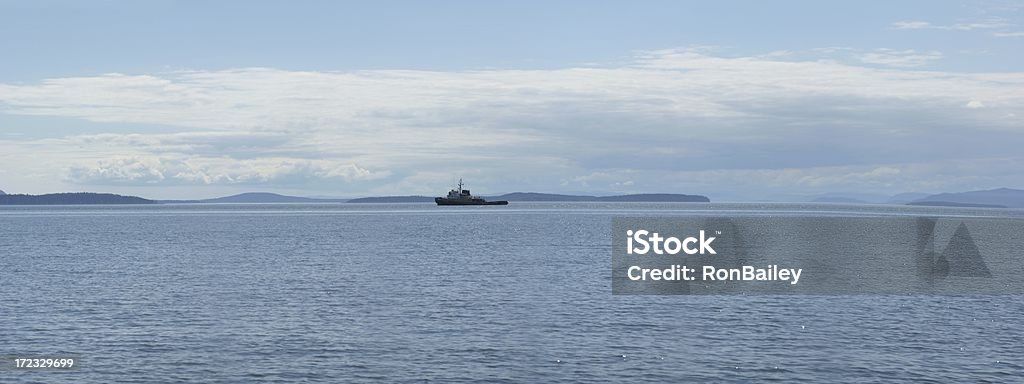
column 680, row 120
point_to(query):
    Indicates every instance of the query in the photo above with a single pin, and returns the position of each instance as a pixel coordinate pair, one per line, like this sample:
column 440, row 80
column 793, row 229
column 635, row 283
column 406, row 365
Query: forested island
column 71, row 199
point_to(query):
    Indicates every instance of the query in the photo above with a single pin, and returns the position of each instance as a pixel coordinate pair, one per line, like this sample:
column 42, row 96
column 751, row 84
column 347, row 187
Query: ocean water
column 414, row 293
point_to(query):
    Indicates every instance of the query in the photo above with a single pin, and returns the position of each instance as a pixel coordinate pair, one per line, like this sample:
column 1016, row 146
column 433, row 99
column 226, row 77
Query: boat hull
column 444, row 201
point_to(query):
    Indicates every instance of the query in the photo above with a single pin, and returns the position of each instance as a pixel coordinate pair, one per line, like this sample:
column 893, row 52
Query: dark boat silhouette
column 461, row 196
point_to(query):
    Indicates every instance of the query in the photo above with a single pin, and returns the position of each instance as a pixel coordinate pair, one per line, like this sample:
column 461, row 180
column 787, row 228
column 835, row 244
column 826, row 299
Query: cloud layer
column 671, row 120
column 996, row 27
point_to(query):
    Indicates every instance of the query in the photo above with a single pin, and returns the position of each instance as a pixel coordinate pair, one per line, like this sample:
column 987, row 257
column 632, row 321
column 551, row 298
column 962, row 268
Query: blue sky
column 736, row 100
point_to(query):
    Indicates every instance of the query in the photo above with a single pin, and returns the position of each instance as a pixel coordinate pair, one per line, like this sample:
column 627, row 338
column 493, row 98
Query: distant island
column 839, row 200
column 393, row 199
column 993, row 198
column 274, row 198
column 257, row 198
column 71, row 199
column 951, row 204
column 866, row 198
column 1000, row 197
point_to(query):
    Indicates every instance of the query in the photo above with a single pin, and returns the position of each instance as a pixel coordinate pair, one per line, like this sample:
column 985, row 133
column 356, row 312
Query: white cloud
column 994, row 23
column 911, row 25
column 897, row 58
column 678, row 113
column 394, row 105
column 828, row 50
column 1008, row 34
column 206, row 171
column 990, row 24
column 975, row 104
column 121, row 170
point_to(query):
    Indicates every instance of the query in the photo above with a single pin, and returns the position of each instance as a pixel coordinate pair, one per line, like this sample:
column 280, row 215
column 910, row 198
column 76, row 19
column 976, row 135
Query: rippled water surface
column 407, row 292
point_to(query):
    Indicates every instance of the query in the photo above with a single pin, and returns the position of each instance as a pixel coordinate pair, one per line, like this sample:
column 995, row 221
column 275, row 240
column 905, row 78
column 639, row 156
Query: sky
column 736, row 100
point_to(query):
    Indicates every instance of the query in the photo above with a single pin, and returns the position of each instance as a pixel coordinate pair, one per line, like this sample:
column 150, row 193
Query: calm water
column 404, row 292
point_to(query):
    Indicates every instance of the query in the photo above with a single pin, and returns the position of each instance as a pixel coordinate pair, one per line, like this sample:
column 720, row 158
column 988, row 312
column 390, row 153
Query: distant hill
column 655, row 198
column 844, row 200
column 394, row 199
column 1007, row 197
column 71, row 198
column 261, row 197
column 534, row 196
column 848, row 198
column 906, row 197
column 865, row 198
column 2, row 193
column 645, row 197
column 949, row 204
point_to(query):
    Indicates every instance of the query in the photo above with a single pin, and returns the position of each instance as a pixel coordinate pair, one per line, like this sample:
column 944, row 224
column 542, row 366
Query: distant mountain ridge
column 840, row 200
column 1007, row 197
column 1000, row 197
column 267, row 197
column 865, row 198
column 393, row 199
column 653, row 198
column 949, row 204
column 907, row 197
column 74, row 198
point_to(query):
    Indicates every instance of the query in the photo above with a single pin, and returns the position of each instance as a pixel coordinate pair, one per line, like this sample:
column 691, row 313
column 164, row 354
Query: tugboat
column 461, row 196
